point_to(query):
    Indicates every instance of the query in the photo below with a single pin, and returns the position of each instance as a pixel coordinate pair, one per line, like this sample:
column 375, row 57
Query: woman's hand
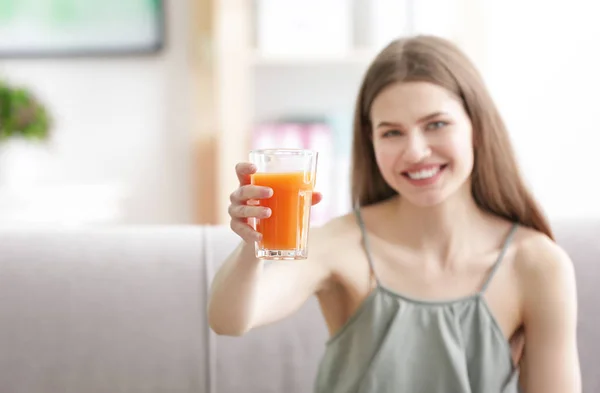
column 244, row 203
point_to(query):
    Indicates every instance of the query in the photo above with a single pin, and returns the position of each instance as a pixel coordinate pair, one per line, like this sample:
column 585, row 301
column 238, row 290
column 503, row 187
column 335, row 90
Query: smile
column 425, row 176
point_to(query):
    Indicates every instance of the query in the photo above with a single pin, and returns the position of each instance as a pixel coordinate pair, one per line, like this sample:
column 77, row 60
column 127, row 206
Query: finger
column 316, row 197
column 243, row 171
column 245, row 231
column 249, row 191
column 246, row 211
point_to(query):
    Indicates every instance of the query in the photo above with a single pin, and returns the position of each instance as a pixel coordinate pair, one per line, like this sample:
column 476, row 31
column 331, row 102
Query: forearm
column 234, row 292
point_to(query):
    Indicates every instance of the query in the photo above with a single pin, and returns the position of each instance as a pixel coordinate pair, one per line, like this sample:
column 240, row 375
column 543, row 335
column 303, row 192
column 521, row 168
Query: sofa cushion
column 103, row 311
column 124, row 310
column 581, row 240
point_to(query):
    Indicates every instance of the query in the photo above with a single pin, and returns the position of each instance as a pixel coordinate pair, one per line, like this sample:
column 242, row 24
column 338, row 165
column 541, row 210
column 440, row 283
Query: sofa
column 123, row 310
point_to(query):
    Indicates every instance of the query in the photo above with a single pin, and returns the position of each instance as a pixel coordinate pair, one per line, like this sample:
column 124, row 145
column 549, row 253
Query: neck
column 442, row 233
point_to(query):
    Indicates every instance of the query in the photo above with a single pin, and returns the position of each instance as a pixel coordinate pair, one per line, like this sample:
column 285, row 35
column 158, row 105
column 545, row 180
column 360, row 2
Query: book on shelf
column 333, row 174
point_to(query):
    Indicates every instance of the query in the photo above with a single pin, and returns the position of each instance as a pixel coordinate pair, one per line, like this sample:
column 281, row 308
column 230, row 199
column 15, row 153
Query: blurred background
column 136, row 111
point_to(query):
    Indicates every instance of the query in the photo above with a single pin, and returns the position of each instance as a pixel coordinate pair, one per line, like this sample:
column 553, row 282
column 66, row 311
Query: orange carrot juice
column 287, row 227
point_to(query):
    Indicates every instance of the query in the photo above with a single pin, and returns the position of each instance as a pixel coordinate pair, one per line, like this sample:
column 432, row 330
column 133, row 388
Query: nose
column 416, row 149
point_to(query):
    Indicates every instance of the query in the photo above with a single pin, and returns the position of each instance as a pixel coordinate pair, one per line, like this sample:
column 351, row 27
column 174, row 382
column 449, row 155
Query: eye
column 436, row 125
column 390, row 133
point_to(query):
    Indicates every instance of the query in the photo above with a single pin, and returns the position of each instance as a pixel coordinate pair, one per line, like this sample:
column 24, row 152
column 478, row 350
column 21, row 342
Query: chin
column 430, row 197
column 425, row 201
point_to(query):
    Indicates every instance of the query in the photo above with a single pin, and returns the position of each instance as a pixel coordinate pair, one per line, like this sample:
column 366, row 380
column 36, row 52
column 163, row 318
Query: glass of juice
column 290, row 173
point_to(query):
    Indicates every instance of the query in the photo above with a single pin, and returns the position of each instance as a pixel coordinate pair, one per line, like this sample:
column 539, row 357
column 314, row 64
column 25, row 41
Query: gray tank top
column 395, row 343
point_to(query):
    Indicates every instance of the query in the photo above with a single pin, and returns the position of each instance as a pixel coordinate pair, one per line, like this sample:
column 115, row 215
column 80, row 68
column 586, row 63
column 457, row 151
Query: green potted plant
column 22, row 115
column 25, row 126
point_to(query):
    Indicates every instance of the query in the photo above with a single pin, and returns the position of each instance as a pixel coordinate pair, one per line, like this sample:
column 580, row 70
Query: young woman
column 446, row 277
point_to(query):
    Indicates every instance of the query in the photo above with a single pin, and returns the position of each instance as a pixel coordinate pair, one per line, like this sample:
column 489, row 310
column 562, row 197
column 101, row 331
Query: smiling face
column 422, row 139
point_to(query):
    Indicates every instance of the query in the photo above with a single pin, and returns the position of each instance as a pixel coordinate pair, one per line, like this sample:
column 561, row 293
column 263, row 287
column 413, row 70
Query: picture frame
column 81, row 28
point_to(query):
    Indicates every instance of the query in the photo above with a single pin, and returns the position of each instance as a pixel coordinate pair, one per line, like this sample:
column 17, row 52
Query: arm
column 245, row 294
column 551, row 362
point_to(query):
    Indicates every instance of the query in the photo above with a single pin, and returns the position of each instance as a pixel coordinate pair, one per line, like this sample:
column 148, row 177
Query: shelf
column 360, row 57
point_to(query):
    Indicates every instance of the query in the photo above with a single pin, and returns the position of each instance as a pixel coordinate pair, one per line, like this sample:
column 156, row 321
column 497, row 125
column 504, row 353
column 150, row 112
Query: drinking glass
column 290, row 173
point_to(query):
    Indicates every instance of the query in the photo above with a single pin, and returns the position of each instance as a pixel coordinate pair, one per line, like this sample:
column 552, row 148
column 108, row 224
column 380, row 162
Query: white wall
column 122, row 122
column 542, row 66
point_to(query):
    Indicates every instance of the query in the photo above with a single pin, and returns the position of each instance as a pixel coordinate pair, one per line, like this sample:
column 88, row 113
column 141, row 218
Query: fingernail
column 267, row 212
column 269, row 192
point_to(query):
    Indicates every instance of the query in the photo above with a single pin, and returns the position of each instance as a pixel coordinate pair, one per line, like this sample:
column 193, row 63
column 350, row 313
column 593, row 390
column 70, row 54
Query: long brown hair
column 497, row 185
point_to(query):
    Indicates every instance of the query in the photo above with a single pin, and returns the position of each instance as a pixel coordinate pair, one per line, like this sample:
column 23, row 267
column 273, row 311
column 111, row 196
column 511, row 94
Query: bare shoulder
column 545, row 270
column 539, row 257
column 335, row 232
column 337, row 245
column 330, row 244
column 344, row 230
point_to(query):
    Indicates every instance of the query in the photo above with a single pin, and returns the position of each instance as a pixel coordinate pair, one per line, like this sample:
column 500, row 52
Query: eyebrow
column 421, row 120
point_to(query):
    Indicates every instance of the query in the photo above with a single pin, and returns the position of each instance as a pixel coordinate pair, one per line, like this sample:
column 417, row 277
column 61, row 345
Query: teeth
column 424, row 174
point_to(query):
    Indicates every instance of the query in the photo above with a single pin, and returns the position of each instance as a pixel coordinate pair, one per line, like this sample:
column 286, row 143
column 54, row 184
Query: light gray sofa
column 123, row 310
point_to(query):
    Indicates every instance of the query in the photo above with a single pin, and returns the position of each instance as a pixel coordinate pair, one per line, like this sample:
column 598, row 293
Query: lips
column 424, row 175
column 424, row 171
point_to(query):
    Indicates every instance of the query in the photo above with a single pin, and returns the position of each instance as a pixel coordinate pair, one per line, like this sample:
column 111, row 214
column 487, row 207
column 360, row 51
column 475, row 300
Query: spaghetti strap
column 365, row 242
column 500, row 257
